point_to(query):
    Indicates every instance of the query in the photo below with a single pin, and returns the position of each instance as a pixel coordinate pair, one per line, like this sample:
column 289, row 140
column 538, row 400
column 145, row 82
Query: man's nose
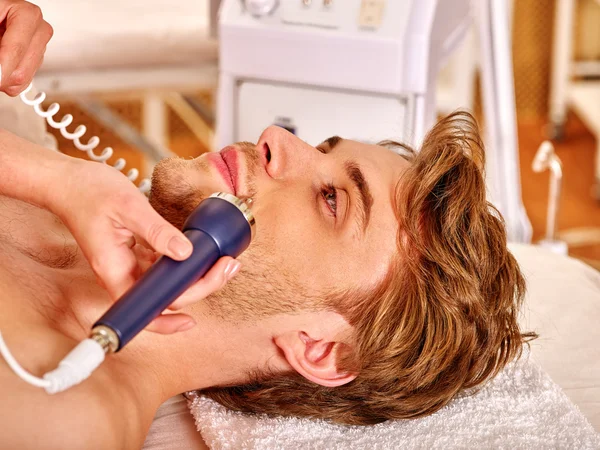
column 286, row 154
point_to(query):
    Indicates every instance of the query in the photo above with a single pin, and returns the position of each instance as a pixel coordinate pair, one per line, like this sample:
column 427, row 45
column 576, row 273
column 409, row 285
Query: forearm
column 29, row 172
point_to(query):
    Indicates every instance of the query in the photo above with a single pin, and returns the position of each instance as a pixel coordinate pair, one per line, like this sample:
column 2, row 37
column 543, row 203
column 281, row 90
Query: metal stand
column 502, row 154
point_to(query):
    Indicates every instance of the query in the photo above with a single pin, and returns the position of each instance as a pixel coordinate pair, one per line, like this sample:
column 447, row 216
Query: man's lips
column 226, row 162
column 230, row 157
column 224, row 170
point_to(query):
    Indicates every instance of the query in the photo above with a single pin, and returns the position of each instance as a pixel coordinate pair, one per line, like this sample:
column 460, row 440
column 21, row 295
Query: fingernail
column 186, row 326
column 232, row 268
column 180, row 247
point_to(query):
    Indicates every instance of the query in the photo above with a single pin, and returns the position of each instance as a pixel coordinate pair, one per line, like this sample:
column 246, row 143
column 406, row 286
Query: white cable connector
column 73, row 369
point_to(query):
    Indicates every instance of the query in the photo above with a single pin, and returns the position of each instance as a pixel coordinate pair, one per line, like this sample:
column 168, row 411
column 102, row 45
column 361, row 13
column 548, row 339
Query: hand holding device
column 104, row 211
column 221, row 226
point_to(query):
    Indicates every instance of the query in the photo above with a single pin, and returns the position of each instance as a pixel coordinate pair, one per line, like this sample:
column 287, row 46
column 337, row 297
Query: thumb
column 163, row 237
column 116, row 270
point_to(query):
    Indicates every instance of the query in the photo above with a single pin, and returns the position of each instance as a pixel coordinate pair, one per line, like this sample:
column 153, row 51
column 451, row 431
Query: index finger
column 22, row 20
column 139, row 217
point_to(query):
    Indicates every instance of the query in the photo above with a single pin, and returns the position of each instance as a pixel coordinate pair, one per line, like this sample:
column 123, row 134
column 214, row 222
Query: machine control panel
column 370, row 16
column 321, row 13
column 333, row 13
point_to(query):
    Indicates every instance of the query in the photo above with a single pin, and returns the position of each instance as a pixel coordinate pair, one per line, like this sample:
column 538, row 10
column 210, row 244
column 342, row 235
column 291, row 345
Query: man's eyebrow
column 366, row 199
column 330, row 142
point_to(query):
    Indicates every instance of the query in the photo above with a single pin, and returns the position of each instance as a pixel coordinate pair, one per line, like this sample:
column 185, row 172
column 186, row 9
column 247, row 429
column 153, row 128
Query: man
column 378, row 286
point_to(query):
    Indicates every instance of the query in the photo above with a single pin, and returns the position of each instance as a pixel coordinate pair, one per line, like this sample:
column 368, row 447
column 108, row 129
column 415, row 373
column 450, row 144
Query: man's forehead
column 387, row 148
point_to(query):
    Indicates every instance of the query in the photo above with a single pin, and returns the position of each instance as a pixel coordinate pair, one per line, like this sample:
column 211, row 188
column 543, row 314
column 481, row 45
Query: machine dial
column 260, row 8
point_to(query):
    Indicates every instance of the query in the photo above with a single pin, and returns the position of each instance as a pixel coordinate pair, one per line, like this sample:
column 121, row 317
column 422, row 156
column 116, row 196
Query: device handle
column 166, row 280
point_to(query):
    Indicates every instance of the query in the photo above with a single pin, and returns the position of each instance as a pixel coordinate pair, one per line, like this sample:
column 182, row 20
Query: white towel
column 520, row 408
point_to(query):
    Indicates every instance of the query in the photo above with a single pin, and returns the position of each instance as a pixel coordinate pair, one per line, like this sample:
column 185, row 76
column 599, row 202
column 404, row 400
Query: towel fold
column 520, row 408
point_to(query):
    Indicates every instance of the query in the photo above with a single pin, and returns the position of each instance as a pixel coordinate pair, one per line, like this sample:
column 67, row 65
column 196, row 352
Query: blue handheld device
column 222, row 225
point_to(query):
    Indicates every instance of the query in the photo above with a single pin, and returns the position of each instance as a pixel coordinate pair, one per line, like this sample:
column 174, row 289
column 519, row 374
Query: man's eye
column 329, row 194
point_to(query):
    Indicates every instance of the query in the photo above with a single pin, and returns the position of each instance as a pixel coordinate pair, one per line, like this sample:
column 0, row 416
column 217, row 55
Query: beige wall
column 532, row 49
column 587, row 29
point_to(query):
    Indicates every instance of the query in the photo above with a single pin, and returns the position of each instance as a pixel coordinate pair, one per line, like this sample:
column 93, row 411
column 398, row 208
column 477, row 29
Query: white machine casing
column 283, row 66
column 362, row 69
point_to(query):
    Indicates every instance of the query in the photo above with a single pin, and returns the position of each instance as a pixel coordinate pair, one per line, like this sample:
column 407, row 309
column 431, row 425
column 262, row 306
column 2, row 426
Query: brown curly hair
column 445, row 317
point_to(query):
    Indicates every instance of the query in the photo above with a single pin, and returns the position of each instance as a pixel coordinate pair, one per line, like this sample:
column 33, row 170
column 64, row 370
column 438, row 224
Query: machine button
column 260, row 8
column 371, row 13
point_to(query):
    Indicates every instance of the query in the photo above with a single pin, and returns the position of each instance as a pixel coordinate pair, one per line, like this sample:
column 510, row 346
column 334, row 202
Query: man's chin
column 175, row 209
column 170, row 195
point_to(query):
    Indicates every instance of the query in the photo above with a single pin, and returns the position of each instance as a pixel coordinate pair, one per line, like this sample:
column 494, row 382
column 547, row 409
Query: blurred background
column 147, row 85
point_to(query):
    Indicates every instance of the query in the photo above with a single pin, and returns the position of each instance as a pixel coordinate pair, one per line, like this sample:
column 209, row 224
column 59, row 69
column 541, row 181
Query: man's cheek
column 203, row 183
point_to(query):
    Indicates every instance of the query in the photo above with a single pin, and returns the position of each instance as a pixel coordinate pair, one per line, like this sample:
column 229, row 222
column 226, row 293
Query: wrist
column 29, row 172
column 59, row 178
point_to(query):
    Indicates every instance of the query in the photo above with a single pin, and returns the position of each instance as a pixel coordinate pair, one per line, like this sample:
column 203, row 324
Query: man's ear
column 314, row 359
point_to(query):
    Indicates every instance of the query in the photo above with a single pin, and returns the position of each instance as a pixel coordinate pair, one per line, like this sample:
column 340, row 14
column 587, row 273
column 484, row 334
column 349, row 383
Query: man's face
column 325, row 221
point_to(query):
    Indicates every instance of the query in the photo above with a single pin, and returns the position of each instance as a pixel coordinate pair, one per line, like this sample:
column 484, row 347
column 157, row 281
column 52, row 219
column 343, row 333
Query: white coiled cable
column 76, row 135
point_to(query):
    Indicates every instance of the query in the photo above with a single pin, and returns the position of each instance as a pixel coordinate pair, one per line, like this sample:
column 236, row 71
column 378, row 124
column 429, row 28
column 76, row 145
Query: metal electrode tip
column 242, row 205
column 106, row 337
